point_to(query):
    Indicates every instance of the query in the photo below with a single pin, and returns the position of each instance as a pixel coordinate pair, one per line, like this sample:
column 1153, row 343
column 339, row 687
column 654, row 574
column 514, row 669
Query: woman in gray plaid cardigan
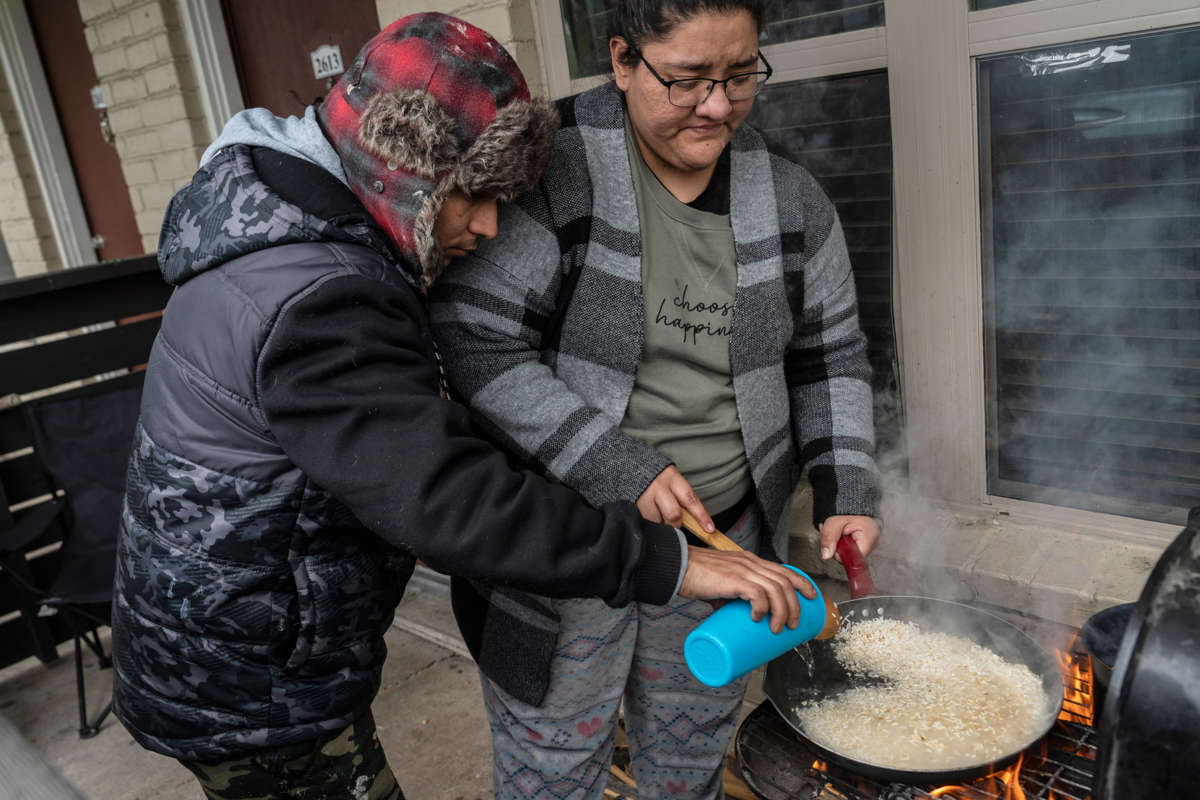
column 668, row 317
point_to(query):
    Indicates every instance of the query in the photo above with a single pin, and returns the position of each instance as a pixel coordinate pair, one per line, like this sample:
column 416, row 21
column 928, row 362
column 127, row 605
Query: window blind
column 1091, row 221
column 983, row 5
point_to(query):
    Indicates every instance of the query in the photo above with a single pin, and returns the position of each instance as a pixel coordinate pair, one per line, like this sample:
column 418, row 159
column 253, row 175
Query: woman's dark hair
column 640, row 21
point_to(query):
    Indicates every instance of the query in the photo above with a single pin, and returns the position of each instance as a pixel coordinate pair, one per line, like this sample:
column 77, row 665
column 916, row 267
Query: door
column 273, row 42
column 58, row 30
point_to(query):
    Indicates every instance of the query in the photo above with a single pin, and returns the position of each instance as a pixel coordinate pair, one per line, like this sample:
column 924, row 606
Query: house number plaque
column 327, row 61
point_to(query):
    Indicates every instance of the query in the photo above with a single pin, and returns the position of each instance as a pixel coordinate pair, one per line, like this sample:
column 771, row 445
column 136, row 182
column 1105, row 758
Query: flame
column 1078, row 699
column 1013, row 790
column 1006, row 780
column 828, row 790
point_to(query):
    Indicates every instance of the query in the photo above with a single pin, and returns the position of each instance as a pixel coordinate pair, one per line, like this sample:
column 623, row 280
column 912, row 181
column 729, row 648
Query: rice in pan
column 949, row 702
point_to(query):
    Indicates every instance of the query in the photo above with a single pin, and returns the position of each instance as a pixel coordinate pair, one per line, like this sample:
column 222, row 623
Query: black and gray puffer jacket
column 292, row 459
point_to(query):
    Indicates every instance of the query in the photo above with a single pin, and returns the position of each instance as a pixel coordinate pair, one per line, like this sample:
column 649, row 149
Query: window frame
column 840, row 53
column 51, row 163
column 937, row 228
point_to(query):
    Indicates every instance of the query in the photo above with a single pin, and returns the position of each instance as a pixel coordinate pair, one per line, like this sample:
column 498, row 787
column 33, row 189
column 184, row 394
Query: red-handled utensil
column 857, row 572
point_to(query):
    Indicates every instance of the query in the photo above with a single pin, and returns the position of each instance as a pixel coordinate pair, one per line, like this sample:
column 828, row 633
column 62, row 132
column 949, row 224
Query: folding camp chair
column 16, row 537
column 83, row 442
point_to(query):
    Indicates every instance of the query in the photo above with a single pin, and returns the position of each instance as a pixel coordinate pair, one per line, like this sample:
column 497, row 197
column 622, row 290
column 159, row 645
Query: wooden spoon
column 719, row 541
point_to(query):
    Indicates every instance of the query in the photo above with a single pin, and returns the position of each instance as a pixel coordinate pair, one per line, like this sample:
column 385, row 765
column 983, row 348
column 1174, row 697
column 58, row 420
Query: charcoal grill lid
column 1149, row 743
column 1102, row 634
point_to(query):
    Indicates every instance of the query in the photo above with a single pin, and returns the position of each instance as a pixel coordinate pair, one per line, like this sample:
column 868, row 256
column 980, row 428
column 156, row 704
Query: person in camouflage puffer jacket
column 294, row 455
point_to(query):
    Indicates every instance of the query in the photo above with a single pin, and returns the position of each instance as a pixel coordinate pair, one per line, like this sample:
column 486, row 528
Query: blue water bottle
column 729, row 643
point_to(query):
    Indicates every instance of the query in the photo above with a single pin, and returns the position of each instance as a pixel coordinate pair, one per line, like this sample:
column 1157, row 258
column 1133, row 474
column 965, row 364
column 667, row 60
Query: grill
column 779, row 765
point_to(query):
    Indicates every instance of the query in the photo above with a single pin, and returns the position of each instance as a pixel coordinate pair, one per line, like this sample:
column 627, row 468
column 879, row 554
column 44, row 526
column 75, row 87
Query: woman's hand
column 864, row 531
column 666, row 494
column 768, row 587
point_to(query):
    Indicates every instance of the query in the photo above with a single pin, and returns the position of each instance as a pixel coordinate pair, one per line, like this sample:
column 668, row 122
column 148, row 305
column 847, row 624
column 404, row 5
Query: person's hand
column 666, row 494
column 864, row 531
column 768, row 587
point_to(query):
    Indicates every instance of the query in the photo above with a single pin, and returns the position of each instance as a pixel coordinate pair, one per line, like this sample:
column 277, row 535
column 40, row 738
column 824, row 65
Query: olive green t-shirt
column 682, row 401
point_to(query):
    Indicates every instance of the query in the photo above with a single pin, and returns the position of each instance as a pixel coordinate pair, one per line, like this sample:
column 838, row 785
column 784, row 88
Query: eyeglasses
column 691, row 92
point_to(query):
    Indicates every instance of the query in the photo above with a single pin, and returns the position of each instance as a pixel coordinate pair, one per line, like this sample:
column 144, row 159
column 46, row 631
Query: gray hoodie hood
column 296, row 136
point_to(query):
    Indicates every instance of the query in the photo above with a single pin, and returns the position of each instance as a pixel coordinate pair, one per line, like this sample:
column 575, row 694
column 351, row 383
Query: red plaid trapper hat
column 432, row 104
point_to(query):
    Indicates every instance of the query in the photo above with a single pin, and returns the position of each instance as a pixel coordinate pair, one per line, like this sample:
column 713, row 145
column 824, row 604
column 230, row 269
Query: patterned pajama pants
column 678, row 728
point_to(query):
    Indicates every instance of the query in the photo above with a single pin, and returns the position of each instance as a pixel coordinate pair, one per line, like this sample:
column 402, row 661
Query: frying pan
column 812, row 673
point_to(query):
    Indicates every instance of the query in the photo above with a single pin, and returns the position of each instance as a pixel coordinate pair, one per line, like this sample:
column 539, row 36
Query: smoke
column 1092, row 307
column 1094, row 282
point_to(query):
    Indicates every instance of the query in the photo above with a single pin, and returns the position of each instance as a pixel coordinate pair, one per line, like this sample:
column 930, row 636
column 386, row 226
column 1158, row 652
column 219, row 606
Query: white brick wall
column 24, row 224
column 90, row 9
column 510, row 21
column 154, row 106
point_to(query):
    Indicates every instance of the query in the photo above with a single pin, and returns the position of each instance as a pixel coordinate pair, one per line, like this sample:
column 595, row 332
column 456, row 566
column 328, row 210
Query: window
column 840, row 130
column 982, row 5
column 1090, row 164
column 804, row 19
column 585, row 26
column 1074, row 381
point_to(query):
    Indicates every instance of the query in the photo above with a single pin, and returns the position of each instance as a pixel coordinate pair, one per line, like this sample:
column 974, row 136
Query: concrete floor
column 429, row 712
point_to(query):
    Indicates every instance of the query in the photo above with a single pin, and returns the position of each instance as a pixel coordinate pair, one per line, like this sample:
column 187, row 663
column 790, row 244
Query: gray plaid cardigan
column 552, row 383
column 798, row 357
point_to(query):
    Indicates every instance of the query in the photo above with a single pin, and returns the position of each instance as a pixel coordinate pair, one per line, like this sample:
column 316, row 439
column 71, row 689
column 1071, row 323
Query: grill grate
column 777, row 764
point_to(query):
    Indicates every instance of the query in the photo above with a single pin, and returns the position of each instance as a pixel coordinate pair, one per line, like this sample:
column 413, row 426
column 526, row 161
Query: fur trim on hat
column 429, row 250
column 511, row 153
column 411, row 129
